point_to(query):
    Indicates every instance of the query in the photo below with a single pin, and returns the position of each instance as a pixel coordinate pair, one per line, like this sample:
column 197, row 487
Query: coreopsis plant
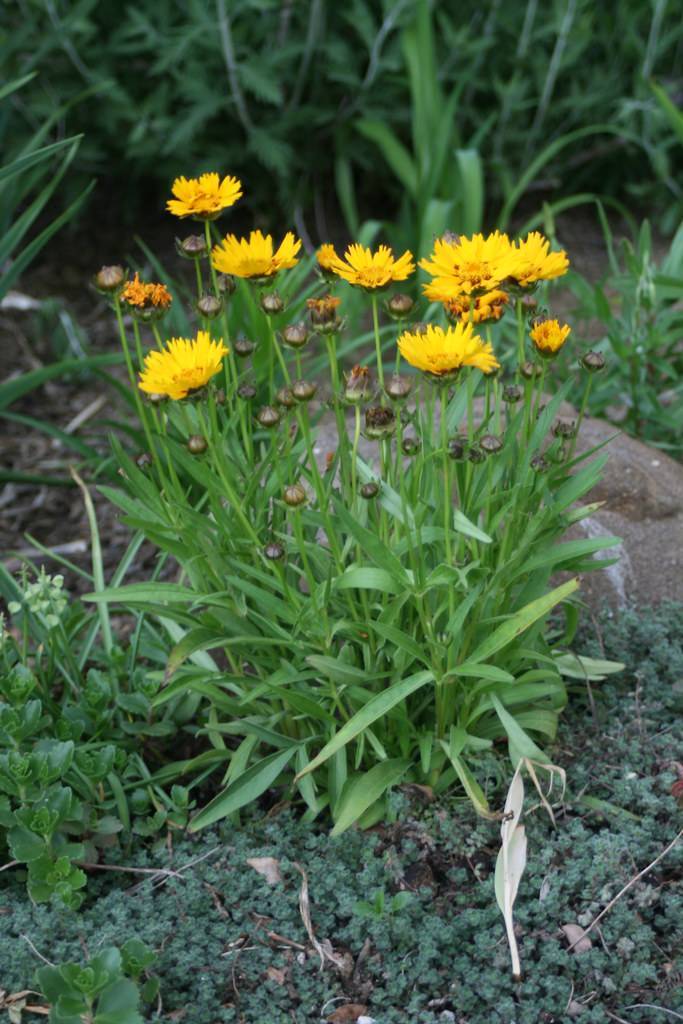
column 367, row 559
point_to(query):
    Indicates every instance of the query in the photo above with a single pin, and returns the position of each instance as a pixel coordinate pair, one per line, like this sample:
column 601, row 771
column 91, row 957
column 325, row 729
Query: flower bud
column 294, row 495
column 110, row 279
column 450, row 238
column 196, row 444
column 191, row 248
column 457, row 449
column 209, row 306
column 410, row 446
column 512, row 394
column 272, row 304
column 564, row 428
column 246, row 391
column 304, row 390
column 357, row 385
column 226, row 284
column 268, row 416
column 593, row 362
column 285, row 398
column 274, row 551
column 143, row 460
column 155, row 399
column 540, row 464
column 243, row 347
column 220, row 396
column 380, row 422
column 530, row 371
column 490, row 444
column 476, row 454
column 295, row 335
column 398, row 388
column 370, row 490
column 529, row 303
column 400, row 306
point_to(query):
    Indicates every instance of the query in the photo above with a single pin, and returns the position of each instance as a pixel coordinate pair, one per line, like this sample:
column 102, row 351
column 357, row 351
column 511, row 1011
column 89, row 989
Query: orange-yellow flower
column 473, row 265
column 485, row 308
column 255, row 257
column 183, row 366
column 441, row 353
column 371, row 270
column 146, row 296
column 549, row 336
column 205, row 197
column 327, row 259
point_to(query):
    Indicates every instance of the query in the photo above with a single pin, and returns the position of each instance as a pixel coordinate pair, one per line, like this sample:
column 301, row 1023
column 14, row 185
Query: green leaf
column 519, row 743
column 463, row 525
column 149, row 593
column 362, row 791
column 367, row 579
column 248, row 787
column 521, row 621
column 375, row 708
column 393, row 151
column 25, row 845
column 469, row 783
column 489, row 672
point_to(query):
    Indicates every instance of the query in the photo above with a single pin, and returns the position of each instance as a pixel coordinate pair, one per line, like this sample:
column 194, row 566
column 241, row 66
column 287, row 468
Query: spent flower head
column 255, row 257
column 184, row 365
column 480, row 310
column 441, row 353
column 205, row 197
column 146, row 301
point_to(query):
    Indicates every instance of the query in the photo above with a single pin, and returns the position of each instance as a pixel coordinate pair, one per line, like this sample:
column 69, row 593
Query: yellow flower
column 549, row 337
column 254, row 257
column 327, row 258
column 485, row 308
column 146, row 296
column 532, row 261
column 371, row 270
column 471, row 265
column 183, row 366
column 205, row 197
column 441, row 352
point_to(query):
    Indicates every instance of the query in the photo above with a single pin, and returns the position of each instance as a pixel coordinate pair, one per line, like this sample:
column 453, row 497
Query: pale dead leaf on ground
column 268, row 867
column 276, row 975
column 576, row 938
column 347, row 1014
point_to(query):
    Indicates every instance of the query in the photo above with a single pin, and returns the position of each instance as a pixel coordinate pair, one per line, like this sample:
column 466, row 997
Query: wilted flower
column 183, row 366
column 203, row 198
column 357, row 385
column 441, row 353
column 255, row 257
column 323, row 314
column 146, row 301
column 380, row 422
column 480, row 310
column 372, row 270
column 398, row 388
column 549, row 336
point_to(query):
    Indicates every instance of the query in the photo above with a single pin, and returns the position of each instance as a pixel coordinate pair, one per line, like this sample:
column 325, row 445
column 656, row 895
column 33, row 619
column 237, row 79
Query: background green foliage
column 446, row 942
column 314, row 93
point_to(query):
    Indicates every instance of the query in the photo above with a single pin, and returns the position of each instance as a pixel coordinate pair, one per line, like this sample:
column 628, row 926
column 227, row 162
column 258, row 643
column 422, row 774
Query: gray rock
column 642, row 491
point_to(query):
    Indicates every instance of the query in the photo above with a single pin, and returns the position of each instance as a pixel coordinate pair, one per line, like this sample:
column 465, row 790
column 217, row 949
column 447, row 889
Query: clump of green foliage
column 313, row 93
column 108, row 989
column 443, row 949
column 638, row 305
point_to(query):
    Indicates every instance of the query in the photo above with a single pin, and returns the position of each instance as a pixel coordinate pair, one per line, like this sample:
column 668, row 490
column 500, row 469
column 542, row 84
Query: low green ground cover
column 232, row 947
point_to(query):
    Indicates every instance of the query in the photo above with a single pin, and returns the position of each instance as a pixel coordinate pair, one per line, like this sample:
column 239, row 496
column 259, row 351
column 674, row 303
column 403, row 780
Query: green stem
column 378, row 344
